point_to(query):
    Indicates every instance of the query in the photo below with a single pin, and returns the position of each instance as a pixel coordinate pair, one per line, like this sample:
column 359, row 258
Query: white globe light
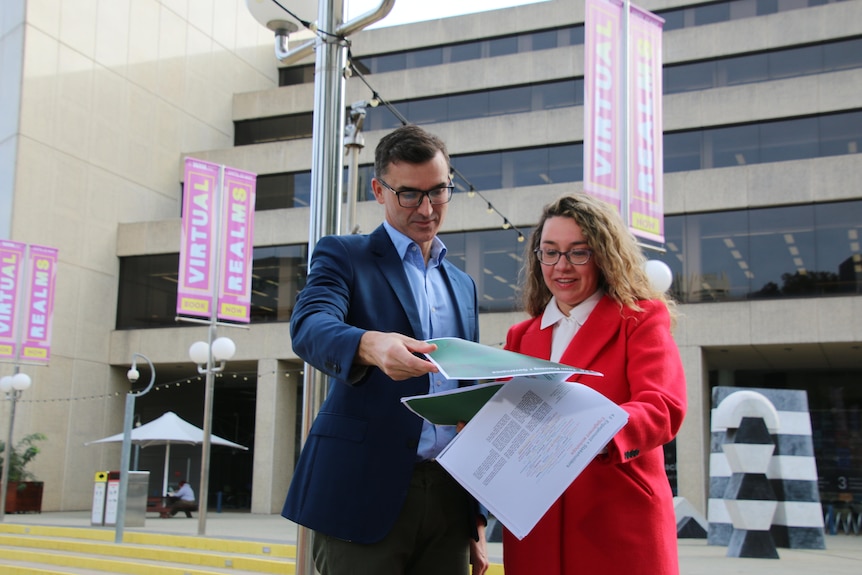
column 223, row 348
column 6, row 383
column 21, row 381
column 199, row 352
column 659, row 275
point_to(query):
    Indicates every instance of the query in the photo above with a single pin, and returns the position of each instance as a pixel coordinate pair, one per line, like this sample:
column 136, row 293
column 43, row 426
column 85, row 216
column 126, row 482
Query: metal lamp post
column 12, row 386
column 205, row 354
column 125, row 455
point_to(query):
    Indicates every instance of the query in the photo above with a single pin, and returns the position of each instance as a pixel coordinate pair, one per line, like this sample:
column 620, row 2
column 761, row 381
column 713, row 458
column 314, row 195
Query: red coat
column 617, row 517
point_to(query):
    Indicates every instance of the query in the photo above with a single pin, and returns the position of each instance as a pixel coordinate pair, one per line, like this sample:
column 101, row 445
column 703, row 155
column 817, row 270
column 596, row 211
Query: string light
column 163, row 386
column 471, row 190
column 351, row 70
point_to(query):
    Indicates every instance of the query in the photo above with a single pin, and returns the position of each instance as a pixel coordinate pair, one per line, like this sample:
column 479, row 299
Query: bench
column 157, row 505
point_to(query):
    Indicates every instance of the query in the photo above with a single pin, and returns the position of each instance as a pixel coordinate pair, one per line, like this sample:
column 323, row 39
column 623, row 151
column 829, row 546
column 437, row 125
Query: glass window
column 842, row 55
column 427, row 57
column 782, row 251
column 525, row 168
column 673, row 20
column 734, row 146
column 682, row 151
column 573, row 36
column 711, row 14
column 147, row 291
column 502, row 46
column 837, row 246
column 278, row 274
column 674, row 255
column 465, row 106
column 302, row 189
column 716, row 268
column 295, row 75
column 493, row 259
column 389, row 63
column 484, row 171
column 510, row 100
column 382, row 118
column 794, row 251
column 788, row 140
column 462, row 52
column 543, row 40
column 560, row 94
column 425, row 111
column 274, row 192
column 795, row 62
column 840, row 134
column 688, row 77
column 765, row 7
column 272, row 129
column 744, row 69
column 565, row 164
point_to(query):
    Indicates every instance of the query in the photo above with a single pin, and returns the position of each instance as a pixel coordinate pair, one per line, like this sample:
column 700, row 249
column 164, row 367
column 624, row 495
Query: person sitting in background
column 183, row 499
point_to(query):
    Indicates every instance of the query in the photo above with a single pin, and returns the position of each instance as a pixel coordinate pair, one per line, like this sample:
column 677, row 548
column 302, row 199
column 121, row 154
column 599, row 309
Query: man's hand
column 394, row 353
column 479, row 552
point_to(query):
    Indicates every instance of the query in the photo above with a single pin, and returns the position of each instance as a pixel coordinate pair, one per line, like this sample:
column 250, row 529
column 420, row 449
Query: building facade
column 762, row 134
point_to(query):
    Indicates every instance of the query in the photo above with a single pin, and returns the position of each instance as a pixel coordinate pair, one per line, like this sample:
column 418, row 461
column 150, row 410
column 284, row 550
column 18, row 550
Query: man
column 182, row 500
column 366, row 482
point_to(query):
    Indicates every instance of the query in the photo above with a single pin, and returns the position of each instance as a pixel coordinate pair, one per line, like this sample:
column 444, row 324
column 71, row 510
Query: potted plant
column 23, row 492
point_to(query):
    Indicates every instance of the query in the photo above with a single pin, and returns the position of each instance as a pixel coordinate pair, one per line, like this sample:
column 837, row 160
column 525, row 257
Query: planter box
column 24, row 497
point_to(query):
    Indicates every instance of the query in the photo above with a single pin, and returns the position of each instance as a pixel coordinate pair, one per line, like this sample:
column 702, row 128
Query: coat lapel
column 392, row 269
column 601, row 326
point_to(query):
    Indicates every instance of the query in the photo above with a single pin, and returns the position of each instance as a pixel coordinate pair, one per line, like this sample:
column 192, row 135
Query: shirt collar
column 552, row 314
column 402, row 243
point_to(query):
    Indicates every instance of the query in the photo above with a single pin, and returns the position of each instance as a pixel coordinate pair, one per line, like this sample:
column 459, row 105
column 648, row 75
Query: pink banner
column 646, row 181
column 234, row 302
column 36, row 343
column 198, row 242
column 11, row 268
column 602, row 121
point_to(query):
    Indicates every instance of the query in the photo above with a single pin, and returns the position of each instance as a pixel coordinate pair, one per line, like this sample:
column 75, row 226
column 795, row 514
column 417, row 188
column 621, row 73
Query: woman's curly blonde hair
column 615, row 251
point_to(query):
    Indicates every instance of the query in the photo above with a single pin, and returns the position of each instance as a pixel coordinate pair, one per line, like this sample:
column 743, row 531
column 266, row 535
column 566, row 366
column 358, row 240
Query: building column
column 274, row 435
column 692, row 441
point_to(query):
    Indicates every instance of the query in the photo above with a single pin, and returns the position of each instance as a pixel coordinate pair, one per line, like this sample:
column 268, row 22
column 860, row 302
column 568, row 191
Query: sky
column 406, row 11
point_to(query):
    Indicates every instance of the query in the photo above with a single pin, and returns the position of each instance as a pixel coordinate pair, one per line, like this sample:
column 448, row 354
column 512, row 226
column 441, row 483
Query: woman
column 591, row 305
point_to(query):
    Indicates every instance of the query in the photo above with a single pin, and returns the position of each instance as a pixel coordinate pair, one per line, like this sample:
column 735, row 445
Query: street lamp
column 206, row 354
column 659, row 274
column 12, row 386
column 133, row 375
column 326, row 169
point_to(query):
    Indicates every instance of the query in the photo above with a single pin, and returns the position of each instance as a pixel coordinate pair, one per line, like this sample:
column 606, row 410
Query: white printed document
column 527, row 438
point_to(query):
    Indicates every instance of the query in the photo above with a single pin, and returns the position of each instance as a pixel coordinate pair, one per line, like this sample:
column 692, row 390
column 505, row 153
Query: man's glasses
column 576, row 257
column 413, row 198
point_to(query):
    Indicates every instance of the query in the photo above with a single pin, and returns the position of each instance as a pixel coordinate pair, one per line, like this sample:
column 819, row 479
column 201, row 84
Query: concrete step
column 49, row 550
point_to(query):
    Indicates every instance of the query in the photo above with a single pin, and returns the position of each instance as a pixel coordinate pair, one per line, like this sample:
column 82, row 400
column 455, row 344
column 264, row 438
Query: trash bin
column 100, row 488
column 107, row 491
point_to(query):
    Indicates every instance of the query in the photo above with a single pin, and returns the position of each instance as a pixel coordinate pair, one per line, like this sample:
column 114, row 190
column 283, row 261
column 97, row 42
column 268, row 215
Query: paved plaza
column 842, row 556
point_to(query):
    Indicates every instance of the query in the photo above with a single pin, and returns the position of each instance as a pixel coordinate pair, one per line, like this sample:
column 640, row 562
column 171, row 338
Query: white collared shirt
column 566, row 326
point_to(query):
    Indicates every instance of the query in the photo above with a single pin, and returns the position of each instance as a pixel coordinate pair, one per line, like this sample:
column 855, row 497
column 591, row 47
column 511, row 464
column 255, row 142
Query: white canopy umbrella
column 166, row 430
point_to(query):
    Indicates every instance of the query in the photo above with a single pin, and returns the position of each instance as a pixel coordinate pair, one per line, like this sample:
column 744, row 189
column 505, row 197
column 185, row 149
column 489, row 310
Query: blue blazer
column 354, row 470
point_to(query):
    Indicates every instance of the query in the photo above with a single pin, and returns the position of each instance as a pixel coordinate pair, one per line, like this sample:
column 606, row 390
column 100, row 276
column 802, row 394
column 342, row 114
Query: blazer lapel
column 392, row 269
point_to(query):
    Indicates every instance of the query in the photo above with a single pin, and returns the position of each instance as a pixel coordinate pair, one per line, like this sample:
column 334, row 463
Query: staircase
column 51, row 550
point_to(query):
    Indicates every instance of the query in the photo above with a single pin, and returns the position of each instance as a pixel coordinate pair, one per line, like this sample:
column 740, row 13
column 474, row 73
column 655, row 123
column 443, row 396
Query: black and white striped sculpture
column 750, row 420
column 798, row 521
